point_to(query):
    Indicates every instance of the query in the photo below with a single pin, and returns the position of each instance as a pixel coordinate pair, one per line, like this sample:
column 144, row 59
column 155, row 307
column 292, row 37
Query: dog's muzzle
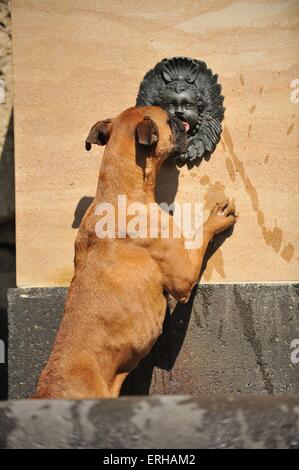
column 179, row 136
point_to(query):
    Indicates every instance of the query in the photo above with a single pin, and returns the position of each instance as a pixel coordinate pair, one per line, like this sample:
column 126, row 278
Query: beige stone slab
column 76, row 62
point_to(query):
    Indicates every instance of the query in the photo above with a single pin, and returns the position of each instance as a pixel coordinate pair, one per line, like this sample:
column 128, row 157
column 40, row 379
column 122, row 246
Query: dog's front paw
column 222, row 216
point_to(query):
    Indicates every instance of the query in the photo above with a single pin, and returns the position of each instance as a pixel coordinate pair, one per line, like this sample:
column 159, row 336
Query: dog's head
column 151, row 127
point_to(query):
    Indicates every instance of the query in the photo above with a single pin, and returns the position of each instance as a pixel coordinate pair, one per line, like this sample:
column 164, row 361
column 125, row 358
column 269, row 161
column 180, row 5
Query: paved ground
column 152, row 422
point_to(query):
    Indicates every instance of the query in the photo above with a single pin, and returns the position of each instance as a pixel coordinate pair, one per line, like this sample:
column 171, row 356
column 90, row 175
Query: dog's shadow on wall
column 166, row 189
column 80, row 210
column 167, row 183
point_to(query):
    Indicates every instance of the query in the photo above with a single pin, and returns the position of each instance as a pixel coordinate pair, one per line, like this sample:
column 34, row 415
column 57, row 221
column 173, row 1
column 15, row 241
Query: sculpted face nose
column 179, row 112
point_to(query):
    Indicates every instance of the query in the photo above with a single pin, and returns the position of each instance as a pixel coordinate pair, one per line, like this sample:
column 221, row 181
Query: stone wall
column 227, row 339
column 81, row 62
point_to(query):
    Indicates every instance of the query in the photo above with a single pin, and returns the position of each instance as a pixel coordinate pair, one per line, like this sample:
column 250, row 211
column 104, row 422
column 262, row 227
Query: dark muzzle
column 179, row 136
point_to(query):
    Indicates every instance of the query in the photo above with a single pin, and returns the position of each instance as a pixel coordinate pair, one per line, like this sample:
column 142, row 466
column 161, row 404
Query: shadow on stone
column 7, row 245
column 80, row 210
column 165, row 352
column 167, row 349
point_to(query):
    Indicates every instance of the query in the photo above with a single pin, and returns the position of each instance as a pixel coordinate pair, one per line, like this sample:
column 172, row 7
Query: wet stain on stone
column 252, row 109
column 223, row 145
column 260, row 217
column 267, row 158
column 290, row 128
column 230, row 169
column 252, row 193
column 242, row 80
column 249, row 130
column 204, row 180
column 220, row 330
column 288, row 252
column 245, row 313
column 273, row 237
column 206, row 296
column 215, row 193
column 198, row 319
column 202, row 313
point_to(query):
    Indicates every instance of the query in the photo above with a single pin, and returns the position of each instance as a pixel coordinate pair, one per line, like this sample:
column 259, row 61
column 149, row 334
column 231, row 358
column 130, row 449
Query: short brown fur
column 116, row 303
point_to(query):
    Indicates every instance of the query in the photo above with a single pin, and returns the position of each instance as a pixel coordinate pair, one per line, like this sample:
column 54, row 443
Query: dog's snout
column 179, row 136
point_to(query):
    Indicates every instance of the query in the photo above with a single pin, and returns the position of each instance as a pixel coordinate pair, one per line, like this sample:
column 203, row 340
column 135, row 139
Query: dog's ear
column 99, row 133
column 147, row 131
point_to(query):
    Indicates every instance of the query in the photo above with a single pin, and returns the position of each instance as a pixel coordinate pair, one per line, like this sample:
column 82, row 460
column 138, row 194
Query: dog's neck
column 140, row 170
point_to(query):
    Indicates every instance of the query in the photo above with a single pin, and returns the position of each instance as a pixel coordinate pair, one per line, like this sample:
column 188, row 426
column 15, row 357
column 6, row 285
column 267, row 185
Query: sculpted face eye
column 170, row 106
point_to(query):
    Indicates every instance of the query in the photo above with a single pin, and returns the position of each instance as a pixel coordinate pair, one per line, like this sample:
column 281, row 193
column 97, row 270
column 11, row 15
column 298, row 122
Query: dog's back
column 113, row 314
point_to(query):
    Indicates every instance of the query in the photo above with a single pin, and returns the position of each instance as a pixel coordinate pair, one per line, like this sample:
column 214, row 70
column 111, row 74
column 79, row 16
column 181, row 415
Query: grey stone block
column 33, row 320
column 228, row 339
column 152, row 423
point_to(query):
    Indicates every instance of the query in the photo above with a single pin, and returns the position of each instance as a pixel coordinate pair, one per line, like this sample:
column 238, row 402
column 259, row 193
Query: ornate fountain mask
column 189, row 91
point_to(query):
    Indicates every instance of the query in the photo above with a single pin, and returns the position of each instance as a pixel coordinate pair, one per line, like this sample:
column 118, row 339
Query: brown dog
column 116, row 305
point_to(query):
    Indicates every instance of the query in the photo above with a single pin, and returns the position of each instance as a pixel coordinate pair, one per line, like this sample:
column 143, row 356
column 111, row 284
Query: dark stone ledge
column 231, row 338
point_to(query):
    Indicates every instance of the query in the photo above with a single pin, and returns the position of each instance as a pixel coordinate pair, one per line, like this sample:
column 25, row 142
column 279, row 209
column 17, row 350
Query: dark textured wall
column 233, row 338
